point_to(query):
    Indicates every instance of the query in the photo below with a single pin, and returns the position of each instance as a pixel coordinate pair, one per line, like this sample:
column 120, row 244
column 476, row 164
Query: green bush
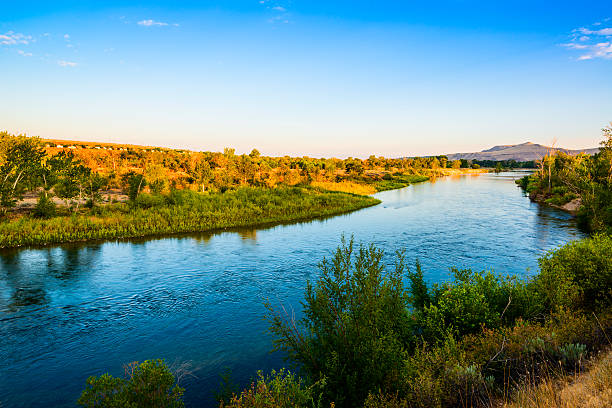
column 578, row 275
column 470, row 301
column 280, row 389
column 149, row 201
column 356, row 327
column 572, row 353
column 146, row 385
column 45, row 207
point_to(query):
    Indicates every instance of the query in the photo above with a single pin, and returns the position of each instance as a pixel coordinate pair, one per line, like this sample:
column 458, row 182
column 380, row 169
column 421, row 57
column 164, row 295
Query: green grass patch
column 182, row 212
column 392, row 182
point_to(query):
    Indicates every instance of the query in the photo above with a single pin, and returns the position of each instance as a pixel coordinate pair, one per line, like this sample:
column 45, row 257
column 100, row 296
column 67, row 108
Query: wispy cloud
column 63, row 63
column 151, row 23
column 594, row 42
column 13, row 38
column 280, row 13
column 23, row 53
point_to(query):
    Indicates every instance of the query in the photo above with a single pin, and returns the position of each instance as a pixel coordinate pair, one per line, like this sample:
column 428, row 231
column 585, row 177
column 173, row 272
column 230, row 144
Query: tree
column 20, row 163
column 254, row 154
column 93, row 184
column 355, row 325
column 71, row 176
column 135, row 183
column 202, row 173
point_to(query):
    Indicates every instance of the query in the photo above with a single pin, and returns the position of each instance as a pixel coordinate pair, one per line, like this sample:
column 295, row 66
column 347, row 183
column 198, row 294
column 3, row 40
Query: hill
column 521, row 152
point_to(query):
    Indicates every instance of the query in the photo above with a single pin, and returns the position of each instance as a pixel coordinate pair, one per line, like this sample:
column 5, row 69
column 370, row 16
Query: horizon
column 343, row 157
column 317, row 79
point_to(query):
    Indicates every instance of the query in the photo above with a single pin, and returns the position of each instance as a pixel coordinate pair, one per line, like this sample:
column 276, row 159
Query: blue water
column 72, row 311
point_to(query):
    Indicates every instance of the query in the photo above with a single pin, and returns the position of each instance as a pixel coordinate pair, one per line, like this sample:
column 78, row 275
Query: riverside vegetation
column 373, row 337
column 367, row 340
column 587, row 179
column 85, row 191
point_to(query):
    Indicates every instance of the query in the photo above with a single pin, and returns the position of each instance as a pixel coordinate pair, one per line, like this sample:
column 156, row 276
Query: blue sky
column 317, row 78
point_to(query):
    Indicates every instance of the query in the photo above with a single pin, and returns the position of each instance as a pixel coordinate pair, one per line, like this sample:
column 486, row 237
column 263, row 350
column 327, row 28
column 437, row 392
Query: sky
column 308, row 78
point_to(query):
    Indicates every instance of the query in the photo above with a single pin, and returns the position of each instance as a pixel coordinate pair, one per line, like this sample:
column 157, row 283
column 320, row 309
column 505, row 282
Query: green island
column 53, row 193
column 377, row 336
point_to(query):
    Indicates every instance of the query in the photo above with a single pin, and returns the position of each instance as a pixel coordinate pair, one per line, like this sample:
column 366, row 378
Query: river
column 71, row 311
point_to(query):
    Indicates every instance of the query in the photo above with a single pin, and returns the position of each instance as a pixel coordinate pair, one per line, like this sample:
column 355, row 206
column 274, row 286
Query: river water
column 71, row 311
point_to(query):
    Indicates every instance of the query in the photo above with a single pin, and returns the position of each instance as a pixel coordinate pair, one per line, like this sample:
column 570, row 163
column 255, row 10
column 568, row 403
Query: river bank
column 185, row 211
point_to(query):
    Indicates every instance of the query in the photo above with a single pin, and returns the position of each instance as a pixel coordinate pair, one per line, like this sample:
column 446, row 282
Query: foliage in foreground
column 183, row 211
column 280, row 389
column 148, row 384
column 461, row 342
column 367, row 340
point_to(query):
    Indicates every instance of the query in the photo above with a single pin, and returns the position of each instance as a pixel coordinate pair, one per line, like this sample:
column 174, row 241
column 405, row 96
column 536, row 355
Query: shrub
column 473, row 300
column 578, row 274
column 355, row 328
column 149, row 384
column 45, row 207
column 149, row 201
column 572, row 353
column 280, row 389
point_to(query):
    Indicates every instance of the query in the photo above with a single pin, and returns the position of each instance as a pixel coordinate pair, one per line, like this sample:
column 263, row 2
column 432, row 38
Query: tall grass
column 592, row 389
column 346, row 187
column 182, row 212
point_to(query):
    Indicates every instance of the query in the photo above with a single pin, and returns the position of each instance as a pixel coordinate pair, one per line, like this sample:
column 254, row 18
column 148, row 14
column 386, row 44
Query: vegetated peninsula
column 55, row 191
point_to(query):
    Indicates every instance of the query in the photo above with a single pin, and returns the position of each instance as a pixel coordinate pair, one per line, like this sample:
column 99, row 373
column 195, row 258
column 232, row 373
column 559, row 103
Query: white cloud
column 13, row 38
column 63, row 63
column 151, row 23
column 23, row 53
column 603, row 31
column 66, row 37
column 279, row 8
column 575, row 46
column 593, row 42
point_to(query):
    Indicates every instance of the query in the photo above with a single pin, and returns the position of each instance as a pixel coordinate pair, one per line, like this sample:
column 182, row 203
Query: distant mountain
column 520, row 152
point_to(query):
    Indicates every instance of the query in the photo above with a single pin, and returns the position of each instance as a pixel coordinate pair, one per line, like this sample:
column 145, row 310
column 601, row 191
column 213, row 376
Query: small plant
column 146, row 385
column 45, row 207
column 280, row 389
column 572, row 354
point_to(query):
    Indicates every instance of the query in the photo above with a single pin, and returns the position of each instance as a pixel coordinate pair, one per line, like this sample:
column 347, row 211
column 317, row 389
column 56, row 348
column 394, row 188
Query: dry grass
column 591, row 389
column 345, row 187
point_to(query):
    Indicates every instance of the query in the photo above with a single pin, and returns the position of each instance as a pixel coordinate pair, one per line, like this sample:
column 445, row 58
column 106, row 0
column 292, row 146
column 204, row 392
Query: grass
column 590, row 389
column 399, row 181
column 346, row 187
column 182, row 212
column 366, row 185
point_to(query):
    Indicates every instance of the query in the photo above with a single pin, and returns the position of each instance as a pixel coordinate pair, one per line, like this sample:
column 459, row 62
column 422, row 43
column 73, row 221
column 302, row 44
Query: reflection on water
column 72, row 311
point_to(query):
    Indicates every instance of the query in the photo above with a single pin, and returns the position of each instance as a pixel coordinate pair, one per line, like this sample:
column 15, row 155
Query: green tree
column 71, row 176
column 202, row 173
column 20, row 163
column 135, row 182
column 355, row 325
